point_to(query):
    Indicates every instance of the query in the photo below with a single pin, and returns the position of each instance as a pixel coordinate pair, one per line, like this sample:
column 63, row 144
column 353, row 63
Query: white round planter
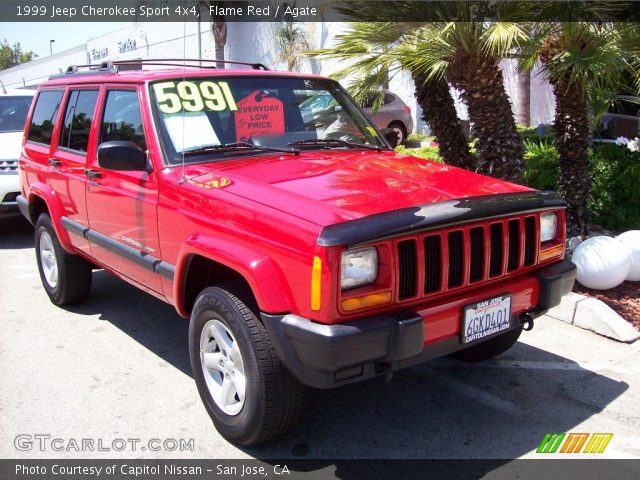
column 602, row 262
column 632, row 240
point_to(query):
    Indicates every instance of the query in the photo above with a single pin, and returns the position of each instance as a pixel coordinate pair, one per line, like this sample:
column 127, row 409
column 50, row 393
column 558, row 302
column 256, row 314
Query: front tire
column 489, row 348
column 247, row 392
column 65, row 277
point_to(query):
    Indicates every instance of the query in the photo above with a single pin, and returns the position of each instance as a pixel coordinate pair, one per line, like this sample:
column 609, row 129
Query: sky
column 36, row 36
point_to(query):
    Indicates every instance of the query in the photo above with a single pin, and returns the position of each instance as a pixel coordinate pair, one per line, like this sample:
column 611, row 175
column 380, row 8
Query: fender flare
column 267, row 282
column 49, row 197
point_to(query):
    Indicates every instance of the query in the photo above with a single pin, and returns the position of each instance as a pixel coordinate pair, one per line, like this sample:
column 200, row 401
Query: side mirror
column 122, row 155
column 390, row 136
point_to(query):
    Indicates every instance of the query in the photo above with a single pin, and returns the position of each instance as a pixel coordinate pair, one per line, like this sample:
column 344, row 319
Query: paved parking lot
column 117, row 367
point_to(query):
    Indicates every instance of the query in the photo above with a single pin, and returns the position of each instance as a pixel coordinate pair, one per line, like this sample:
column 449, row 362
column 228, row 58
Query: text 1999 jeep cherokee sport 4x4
column 303, row 249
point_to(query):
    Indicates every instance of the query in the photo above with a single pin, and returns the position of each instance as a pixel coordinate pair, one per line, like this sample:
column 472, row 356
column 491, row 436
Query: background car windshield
column 197, row 113
column 13, row 113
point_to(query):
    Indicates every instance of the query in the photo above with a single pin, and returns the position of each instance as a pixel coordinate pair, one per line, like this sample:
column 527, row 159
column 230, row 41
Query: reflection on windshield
column 13, row 113
column 194, row 114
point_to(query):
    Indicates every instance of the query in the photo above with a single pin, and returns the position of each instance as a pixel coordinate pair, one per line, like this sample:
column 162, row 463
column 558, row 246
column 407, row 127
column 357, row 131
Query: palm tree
column 293, row 43
column 374, row 52
column 218, row 29
column 586, row 65
column 467, row 54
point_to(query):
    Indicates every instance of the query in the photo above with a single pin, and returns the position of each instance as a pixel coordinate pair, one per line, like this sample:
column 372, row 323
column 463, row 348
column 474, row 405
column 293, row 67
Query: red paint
column 264, row 223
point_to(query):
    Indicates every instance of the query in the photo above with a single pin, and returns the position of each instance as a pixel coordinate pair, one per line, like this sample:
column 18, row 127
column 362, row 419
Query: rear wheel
column 66, row 278
column 400, row 130
column 489, row 348
column 248, row 393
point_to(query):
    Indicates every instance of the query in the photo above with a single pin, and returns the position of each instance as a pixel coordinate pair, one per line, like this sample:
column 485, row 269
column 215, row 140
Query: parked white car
column 14, row 107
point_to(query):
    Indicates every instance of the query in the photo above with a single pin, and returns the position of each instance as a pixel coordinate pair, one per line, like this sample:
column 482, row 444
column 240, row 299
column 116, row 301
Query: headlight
column 548, row 226
column 359, row 267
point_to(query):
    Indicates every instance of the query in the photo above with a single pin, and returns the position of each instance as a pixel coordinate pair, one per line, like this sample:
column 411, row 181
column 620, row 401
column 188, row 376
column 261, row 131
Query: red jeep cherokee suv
column 304, row 250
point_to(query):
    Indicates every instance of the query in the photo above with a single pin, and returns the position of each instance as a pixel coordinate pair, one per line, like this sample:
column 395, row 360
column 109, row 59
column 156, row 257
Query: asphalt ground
column 116, row 368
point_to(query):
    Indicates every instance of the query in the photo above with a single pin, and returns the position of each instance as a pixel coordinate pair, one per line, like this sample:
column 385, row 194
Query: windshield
column 13, row 113
column 195, row 115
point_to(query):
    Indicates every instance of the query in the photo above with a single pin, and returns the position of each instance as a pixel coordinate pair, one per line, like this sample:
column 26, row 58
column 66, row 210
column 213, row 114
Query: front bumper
column 327, row 356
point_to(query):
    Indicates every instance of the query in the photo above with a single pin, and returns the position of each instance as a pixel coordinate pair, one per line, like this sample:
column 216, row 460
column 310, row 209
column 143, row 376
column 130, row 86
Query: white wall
column 32, row 73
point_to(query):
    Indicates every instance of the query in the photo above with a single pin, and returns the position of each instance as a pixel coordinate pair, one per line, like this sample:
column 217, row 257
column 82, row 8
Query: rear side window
column 44, row 116
column 77, row 120
column 122, row 119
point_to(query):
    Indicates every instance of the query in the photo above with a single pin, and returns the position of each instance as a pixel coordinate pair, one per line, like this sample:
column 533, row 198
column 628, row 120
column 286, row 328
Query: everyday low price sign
column 259, row 114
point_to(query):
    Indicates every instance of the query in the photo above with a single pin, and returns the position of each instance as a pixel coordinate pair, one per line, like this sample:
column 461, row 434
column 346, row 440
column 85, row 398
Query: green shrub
column 420, row 137
column 615, row 193
column 430, row 153
column 615, row 174
column 536, row 133
column 614, row 201
column 541, row 171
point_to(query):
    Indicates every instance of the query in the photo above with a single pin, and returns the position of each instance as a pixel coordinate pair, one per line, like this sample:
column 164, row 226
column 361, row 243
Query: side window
column 44, row 116
column 77, row 119
column 388, row 98
column 122, row 119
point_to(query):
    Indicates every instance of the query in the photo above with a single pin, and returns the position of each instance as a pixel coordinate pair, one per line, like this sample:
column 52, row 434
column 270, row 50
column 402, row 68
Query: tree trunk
column 219, row 29
column 499, row 144
column 524, row 98
column 439, row 111
column 572, row 129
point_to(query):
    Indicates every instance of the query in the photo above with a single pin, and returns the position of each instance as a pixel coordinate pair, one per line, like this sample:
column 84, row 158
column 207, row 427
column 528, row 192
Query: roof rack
column 116, row 65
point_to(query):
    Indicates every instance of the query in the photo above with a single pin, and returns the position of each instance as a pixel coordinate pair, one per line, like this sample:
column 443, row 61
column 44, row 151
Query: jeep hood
column 333, row 186
column 10, row 145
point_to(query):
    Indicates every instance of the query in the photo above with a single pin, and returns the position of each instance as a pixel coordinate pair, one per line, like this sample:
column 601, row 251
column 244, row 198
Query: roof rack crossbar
column 111, row 66
column 152, row 61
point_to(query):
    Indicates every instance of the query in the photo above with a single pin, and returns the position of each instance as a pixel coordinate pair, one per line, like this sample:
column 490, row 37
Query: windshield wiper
column 334, row 141
column 226, row 147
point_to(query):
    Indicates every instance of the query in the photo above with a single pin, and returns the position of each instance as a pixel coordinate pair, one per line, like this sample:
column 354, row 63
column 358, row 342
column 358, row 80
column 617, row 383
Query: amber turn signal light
column 366, row 301
column 551, row 252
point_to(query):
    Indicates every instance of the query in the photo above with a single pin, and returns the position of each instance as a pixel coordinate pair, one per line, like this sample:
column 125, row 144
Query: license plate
column 486, row 318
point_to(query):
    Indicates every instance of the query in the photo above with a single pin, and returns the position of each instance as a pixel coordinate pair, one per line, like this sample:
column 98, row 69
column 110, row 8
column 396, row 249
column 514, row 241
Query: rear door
column 69, row 155
column 122, row 204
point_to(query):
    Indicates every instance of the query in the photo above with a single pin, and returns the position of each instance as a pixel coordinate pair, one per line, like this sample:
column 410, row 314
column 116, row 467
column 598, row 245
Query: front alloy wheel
column 223, row 367
column 247, row 392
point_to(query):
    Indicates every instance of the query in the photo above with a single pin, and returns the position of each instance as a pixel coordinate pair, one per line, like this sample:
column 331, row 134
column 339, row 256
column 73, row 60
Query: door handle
column 93, row 173
column 54, row 162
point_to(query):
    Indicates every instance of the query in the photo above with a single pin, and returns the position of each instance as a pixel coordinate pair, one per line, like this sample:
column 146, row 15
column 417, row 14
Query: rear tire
column 400, row 130
column 65, row 277
column 227, row 343
column 489, row 348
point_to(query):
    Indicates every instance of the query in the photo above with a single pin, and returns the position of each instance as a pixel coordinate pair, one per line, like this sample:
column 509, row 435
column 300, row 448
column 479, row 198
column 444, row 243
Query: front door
column 122, row 205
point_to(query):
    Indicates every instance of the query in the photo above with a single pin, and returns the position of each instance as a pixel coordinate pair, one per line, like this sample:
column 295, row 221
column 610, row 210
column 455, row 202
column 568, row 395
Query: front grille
column 8, row 166
column 456, row 253
column 463, row 255
column 408, row 266
column 432, row 263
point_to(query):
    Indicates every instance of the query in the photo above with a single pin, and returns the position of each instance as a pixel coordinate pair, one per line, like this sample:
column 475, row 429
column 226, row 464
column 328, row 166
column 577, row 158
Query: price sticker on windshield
column 174, row 97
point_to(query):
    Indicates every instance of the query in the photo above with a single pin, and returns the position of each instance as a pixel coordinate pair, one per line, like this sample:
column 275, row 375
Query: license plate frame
column 480, row 330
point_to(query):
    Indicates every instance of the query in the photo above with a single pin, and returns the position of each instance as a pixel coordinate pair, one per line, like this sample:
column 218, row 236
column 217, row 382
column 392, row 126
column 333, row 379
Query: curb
column 593, row 314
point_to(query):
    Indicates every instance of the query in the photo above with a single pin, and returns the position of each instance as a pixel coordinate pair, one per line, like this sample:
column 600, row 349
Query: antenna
column 184, row 76
column 4, row 90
